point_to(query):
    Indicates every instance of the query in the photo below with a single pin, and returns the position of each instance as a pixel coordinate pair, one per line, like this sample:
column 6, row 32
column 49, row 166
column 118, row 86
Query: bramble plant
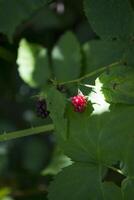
column 93, row 127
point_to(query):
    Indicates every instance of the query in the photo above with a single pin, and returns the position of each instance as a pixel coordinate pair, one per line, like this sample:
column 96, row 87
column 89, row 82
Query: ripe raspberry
column 41, row 108
column 79, row 103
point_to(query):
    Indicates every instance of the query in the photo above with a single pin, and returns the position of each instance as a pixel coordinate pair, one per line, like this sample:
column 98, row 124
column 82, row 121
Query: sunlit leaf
column 33, row 64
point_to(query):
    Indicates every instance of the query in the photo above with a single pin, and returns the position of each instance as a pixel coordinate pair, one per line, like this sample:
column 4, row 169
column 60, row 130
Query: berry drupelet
column 41, row 108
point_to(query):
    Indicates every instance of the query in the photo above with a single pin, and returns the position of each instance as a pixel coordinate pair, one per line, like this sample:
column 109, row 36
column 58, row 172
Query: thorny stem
column 26, row 132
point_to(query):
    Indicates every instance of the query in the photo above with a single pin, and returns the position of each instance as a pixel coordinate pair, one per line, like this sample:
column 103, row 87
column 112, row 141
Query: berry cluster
column 79, row 103
column 41, row 108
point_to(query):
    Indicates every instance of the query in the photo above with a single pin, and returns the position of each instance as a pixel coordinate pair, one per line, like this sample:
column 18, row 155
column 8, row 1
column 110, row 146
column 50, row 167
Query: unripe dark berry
column 79, row 103
column 41, row 108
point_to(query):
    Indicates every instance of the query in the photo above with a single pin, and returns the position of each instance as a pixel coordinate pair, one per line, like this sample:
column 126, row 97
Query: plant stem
column 26, row 132
column 90, row 74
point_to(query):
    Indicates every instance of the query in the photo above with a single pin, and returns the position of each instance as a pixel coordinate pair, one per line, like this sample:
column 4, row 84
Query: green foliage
column 33, row 64
column 77, row 126
column 117, row 84
column 91, row 153
column 129, row 54
column 110, row 19
column 59, row 161
column 15, row 13
column 79, row 178
column 100, row 53
column 94, row 146
column 56, row 105
column 66, row 58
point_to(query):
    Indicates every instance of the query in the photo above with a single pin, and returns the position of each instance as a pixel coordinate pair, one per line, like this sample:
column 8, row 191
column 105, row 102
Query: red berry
column 79, row 103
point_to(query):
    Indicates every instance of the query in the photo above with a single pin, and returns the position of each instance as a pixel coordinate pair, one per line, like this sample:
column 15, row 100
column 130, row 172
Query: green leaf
column 110, row 19
column 99, row 53
column 66, row 58
column 117, row 85
column 128, row 161
column 54, row 22
column 102, row 141
column 97, row 98
column 97, row 140
column 82, row 181
column 77, row 145
column 111, row 139
column 58, row 162
column 13, row 13
column 56, row 106
column 33, row 64
column 128, row 189
column 111, row 191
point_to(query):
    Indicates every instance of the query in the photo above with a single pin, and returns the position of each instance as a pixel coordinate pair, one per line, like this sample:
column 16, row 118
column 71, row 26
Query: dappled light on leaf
column 98, row 100
column 33, row 64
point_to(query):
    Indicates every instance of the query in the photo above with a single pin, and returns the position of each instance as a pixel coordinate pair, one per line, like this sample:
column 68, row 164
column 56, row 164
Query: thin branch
column 26, row 132
column 90, row 74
